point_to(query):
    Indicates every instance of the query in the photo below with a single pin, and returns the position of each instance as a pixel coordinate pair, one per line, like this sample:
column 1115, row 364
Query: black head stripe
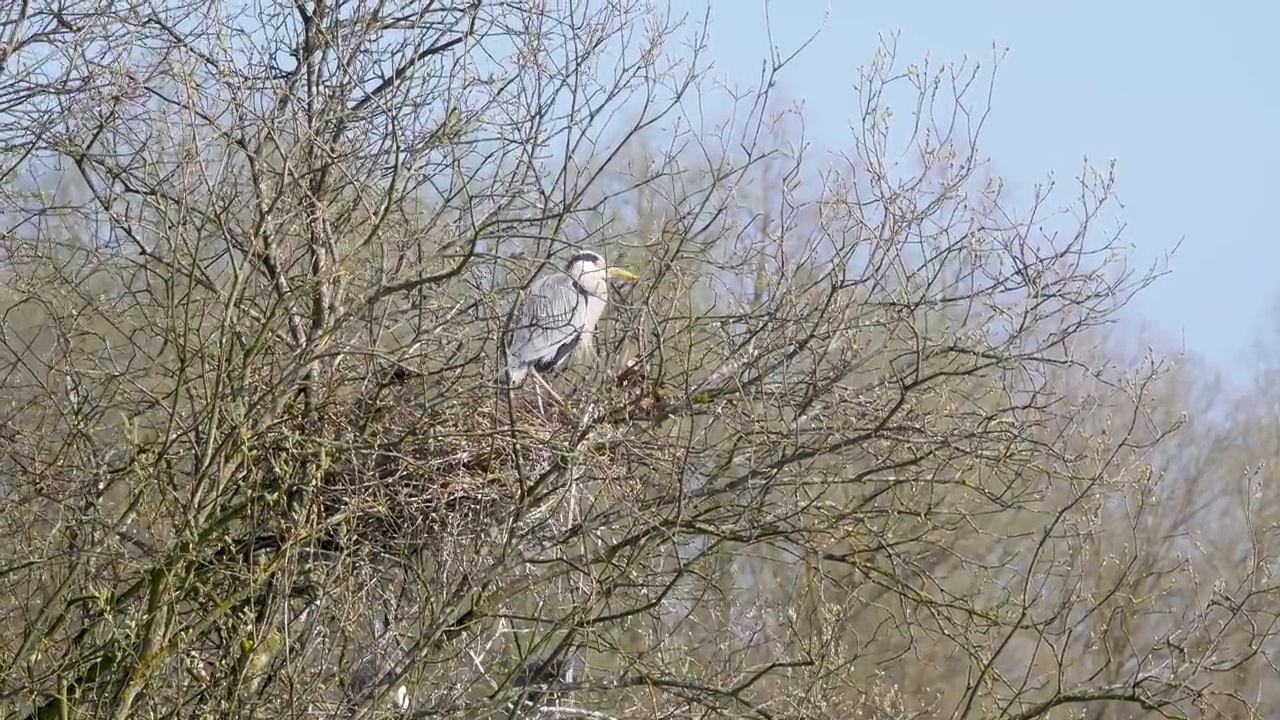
column 584, row 256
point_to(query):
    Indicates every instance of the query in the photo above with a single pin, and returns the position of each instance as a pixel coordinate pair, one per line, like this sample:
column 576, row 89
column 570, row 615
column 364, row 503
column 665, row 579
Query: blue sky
column 1181, row 94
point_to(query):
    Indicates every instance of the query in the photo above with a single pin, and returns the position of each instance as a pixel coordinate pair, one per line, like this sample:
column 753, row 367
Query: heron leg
column 542, row 383
column 538, row 394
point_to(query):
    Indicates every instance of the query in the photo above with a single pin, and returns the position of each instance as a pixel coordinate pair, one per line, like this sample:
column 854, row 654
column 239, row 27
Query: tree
column 256, row 461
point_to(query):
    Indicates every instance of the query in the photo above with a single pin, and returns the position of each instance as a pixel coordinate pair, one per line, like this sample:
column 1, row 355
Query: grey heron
column 556, row 322
column 538, row 678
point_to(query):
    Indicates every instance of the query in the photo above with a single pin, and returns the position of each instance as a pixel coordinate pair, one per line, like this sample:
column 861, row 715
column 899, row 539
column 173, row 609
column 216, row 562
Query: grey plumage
column 558, row 317
column 376, row 668
column 539, row 677
column 548, row 327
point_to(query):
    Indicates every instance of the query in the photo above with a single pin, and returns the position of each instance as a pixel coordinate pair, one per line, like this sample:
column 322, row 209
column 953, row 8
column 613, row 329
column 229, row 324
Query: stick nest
column 406, row 475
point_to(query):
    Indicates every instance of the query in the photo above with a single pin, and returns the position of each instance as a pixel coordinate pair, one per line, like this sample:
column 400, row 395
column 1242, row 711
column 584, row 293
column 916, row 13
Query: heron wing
column 548, row 322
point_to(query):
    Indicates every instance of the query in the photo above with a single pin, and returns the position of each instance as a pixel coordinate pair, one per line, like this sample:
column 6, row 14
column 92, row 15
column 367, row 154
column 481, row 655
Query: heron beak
column 620, row 274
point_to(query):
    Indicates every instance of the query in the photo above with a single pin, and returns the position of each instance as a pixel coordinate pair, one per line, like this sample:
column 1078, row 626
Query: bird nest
column 414, row 475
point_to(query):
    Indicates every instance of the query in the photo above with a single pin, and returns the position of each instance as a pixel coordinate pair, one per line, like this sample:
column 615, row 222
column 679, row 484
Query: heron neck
column 578, row 288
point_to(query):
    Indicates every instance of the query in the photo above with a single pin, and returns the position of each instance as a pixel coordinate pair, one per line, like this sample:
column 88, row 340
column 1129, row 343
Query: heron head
column 593, row 274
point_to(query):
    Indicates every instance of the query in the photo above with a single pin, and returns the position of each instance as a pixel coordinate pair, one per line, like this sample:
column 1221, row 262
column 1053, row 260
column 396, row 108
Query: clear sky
column 1182, row 94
